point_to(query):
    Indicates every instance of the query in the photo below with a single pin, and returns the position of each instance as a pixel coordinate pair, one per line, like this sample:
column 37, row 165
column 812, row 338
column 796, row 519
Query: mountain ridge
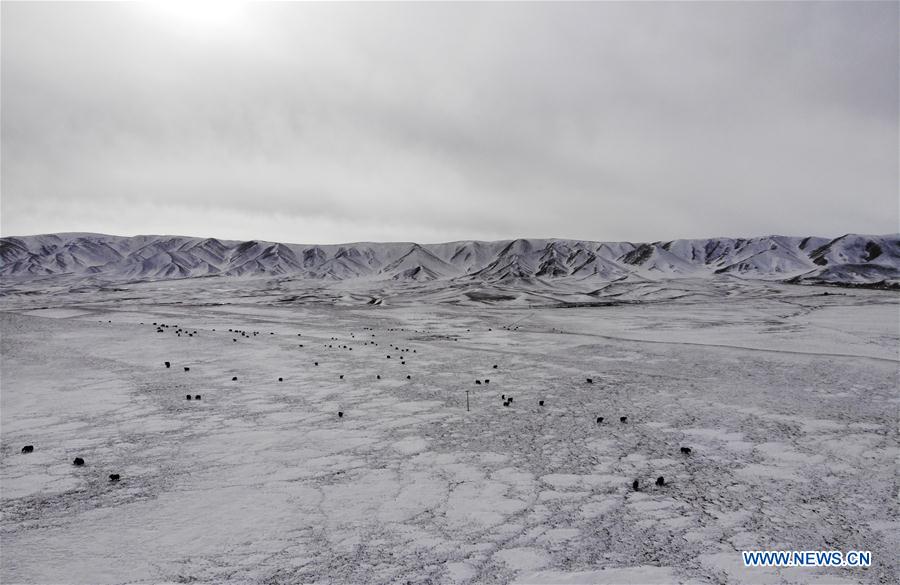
column 851, row 259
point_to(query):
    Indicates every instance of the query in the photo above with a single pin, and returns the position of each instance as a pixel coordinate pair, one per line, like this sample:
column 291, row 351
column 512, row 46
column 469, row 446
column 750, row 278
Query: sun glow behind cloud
column 199, row 18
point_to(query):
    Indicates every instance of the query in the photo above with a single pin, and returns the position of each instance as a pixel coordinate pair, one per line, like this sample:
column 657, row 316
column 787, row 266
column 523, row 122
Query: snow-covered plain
column 787, row 397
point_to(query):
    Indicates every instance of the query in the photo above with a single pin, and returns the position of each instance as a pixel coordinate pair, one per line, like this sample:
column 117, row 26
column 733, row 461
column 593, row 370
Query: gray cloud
column 344, row 122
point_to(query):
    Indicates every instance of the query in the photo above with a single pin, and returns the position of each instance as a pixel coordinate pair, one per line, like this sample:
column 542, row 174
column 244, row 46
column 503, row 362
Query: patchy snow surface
column 787, row 397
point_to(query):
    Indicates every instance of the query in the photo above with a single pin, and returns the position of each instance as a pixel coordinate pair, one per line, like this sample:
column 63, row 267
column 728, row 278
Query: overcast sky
column 326, row 123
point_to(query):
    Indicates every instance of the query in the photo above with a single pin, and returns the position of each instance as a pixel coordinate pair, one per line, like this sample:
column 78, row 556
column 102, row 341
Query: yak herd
column 507, row 399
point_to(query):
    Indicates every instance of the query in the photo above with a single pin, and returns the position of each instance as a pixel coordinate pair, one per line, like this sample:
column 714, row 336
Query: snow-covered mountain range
column 849, row 259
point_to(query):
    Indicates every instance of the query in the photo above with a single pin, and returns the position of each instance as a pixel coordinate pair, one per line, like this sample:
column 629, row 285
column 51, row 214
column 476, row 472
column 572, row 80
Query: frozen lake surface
column 787, row 397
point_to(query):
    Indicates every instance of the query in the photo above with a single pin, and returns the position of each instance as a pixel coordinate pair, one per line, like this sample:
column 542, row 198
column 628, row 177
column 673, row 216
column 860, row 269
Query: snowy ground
column 788, row 399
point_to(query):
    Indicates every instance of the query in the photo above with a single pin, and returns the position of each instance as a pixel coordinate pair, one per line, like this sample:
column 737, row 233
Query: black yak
column 113, row 477
column 28, row 449
column 686, row 450
column 78, row 461
column 660, row 481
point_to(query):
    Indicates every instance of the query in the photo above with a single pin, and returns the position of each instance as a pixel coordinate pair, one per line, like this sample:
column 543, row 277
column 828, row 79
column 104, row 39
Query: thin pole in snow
column 467, row 401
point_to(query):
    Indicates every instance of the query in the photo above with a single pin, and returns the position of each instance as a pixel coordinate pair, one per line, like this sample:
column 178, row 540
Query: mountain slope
column 850, row 259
